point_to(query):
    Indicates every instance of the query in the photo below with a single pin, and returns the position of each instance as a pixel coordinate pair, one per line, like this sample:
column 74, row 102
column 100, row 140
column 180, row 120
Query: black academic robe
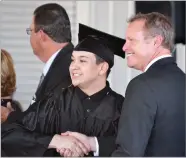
column 58, row 75
column 152, row 122
column 60, row 112
column 17, row 109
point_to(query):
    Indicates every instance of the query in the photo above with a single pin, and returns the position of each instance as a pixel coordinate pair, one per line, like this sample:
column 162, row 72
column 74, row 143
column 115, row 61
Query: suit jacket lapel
column 58, row 72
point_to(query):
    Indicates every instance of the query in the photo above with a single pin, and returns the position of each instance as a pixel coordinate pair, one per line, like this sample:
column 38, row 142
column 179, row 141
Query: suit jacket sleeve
column 18, row 141
column 137, row 119
column 106, row 145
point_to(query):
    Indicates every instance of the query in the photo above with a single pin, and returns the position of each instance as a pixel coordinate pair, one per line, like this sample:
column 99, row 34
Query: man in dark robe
column 54, row 48
column 89, row 107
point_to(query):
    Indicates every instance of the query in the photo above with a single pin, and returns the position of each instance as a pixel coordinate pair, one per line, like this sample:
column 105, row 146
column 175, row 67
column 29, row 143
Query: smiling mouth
column 129, row 54
column 76, row 74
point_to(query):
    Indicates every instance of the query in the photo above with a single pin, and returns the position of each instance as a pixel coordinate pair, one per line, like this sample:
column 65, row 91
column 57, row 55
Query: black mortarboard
column 113, row 42
column 102, row 44
column 97, row 46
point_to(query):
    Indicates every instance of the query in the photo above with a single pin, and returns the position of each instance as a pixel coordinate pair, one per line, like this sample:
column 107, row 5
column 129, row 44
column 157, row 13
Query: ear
column 43, row 36
column 103, row 68
column 158, row 41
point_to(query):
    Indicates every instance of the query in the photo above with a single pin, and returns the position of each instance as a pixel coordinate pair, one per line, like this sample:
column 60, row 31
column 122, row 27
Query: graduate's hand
column 5, row 111
column 68, row 153
column 73, row 145
column 89, row 142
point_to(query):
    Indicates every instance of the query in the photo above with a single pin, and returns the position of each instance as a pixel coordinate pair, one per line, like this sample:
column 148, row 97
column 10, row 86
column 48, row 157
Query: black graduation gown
column 63, row 112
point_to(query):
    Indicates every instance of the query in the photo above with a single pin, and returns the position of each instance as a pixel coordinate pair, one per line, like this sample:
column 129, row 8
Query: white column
column 83, row 12
column 180, row 55
column 110, row 31
column 131, row 11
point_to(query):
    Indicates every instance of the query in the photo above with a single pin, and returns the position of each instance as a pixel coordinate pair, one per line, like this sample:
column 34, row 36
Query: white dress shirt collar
column 156, row 59
column 49, row 62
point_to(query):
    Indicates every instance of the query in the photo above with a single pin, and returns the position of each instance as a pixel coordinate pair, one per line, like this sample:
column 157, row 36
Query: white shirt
column 96, row 153
column 156, row 59
column 49, row 62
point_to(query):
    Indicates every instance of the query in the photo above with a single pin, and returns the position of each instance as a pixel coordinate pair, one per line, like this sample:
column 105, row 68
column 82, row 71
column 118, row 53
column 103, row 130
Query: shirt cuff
column 96, row 153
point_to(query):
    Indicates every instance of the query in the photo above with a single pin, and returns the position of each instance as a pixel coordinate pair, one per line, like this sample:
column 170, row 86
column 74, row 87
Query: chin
column 75, row 83
column 130, row 65
column 34, row 52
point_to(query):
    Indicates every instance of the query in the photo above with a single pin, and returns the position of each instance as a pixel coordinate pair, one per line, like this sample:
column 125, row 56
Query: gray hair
column 157, row 24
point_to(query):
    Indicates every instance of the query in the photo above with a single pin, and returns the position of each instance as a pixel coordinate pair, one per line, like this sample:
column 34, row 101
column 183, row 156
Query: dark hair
column 100, row 60
column 54, row 21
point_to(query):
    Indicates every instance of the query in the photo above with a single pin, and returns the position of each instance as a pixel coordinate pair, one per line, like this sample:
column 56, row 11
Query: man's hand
column 5, row 111
column 87, row 141
column 72, row 146
column 68, row 153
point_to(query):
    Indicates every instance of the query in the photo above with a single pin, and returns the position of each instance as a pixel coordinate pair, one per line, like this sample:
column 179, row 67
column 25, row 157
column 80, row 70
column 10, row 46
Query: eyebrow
column 80, row 56
column 130, row 38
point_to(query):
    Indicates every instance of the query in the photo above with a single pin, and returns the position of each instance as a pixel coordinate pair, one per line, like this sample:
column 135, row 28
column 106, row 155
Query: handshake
column 70, row 144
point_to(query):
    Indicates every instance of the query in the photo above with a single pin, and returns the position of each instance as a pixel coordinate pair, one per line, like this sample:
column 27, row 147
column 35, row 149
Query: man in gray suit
column 152, row 120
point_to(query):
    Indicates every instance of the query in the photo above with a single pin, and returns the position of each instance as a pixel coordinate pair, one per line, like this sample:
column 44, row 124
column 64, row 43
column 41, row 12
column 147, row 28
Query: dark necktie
column 41, row 80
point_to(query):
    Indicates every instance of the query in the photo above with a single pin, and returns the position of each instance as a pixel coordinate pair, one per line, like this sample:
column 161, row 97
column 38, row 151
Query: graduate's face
column 83, row 68
column 138, row 49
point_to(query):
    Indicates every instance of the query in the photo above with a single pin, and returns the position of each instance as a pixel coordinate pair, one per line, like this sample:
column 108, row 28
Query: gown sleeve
column 48, row 115
column 32, row 135
column 107, row 141
column 19, row 141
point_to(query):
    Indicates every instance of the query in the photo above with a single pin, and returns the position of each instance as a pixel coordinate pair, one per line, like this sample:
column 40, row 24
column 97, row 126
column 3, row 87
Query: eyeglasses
column 28, row 31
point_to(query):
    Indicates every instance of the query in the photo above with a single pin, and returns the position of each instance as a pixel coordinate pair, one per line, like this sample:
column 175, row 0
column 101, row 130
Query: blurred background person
column 8, row 86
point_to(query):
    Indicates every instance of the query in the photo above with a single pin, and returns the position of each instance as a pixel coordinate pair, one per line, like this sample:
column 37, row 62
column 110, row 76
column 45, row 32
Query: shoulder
column 65, row 52
column 119, row 99
column 16, row 105
column 146, row 80
column 141, row 93
column 116, row 95
column 137, row 82
column 141, row 86
column 64, row 93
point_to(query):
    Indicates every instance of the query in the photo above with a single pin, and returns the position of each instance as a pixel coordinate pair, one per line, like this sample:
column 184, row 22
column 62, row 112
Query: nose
column 125, row 46
column 74, row 65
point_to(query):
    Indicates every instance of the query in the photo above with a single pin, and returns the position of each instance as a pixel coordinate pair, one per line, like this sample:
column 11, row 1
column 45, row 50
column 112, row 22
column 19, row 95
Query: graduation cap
column 100, row 43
